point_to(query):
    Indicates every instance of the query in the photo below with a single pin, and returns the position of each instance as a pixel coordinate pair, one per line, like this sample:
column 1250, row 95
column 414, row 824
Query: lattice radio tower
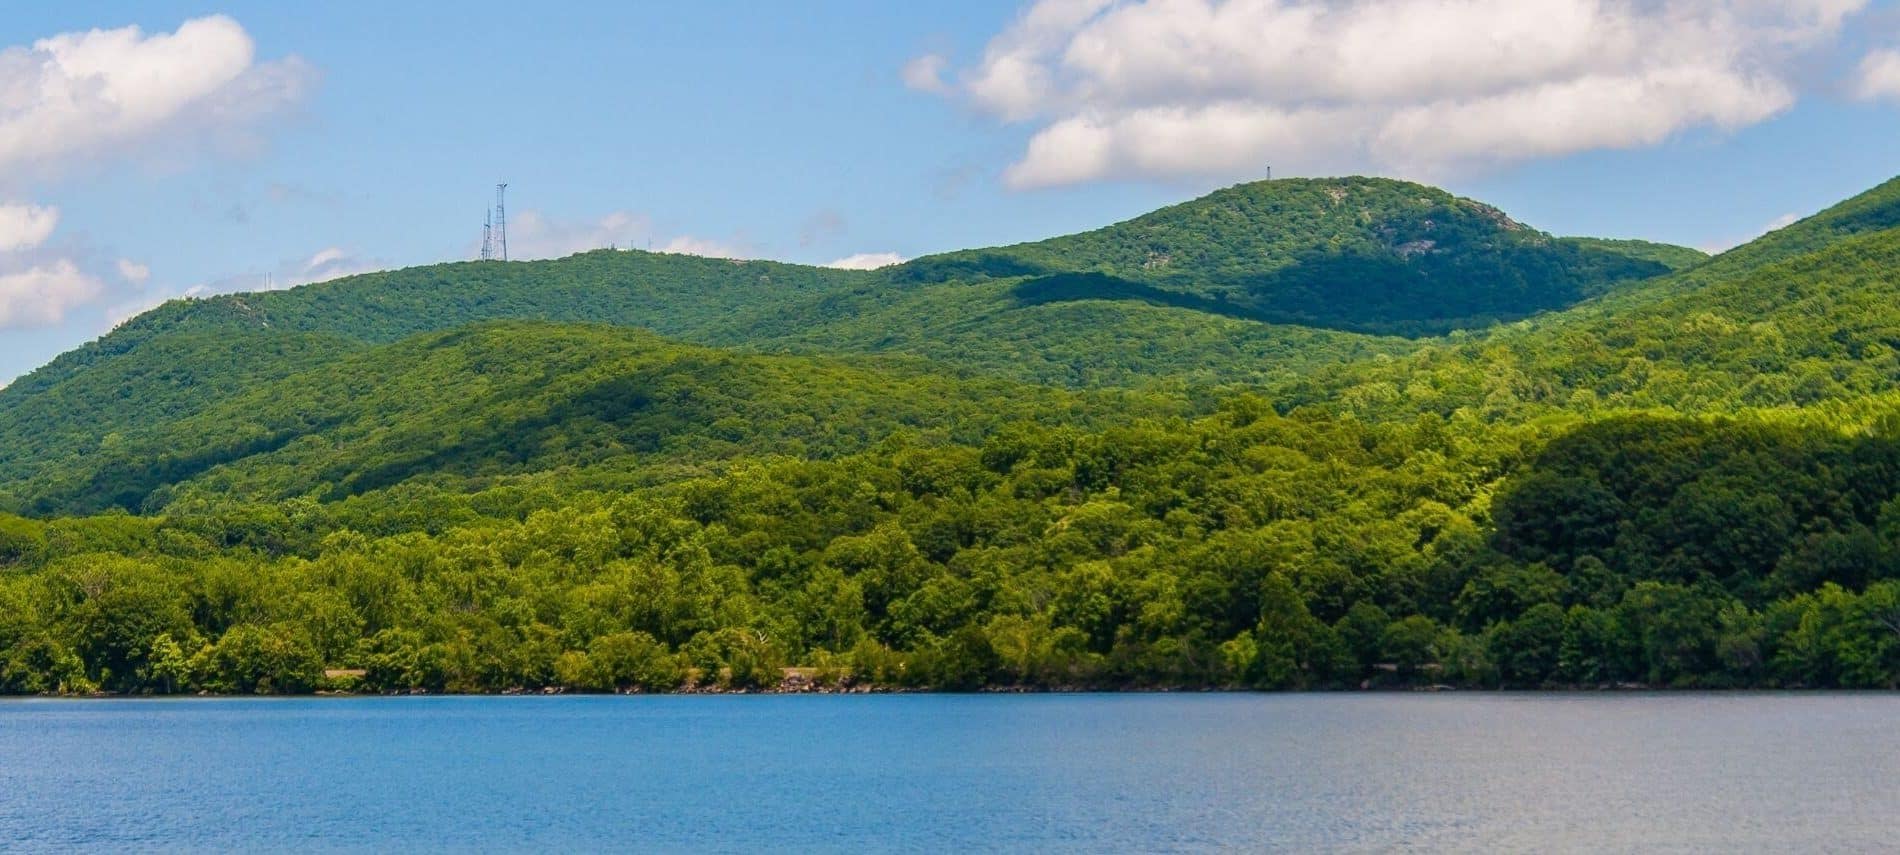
column 488, row 237
column 501, row 220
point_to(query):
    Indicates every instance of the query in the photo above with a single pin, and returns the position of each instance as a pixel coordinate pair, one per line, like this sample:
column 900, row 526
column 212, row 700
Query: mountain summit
column 1363, row 254
column 1260, row 283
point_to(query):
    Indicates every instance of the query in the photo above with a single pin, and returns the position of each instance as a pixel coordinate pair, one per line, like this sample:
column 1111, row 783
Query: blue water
column 951, row 773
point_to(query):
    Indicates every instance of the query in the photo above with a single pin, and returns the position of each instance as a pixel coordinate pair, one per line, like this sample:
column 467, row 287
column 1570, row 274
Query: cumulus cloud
column 71, row 97
column 144, row 301
column 867, row 261
column 925, row 74
column 134, row 272
column 327, row 264
column 688, row 245
column 26, row 226
column 42, row 295
column 80, row 98
column 1724, row 245
column 321, row 266
column 1222, row 88
column 533, row 235
column 1879, row 76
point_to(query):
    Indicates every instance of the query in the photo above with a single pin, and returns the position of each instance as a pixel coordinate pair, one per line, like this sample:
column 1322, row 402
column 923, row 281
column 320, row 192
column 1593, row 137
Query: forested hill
column 179, row 358
column 1173, row 297
column 1806, row 315
column 466, row 407
column 436, row 479
column 676, row 295
column 1364, row 254
column 1876, row 210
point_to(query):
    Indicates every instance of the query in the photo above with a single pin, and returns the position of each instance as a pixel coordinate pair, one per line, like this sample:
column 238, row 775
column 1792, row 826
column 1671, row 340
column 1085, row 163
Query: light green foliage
column 1199, row 320
column 1365, row 254
column 1082, row 463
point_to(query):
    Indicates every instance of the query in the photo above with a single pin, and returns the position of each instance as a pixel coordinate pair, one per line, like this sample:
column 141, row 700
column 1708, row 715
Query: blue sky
column 296, row 141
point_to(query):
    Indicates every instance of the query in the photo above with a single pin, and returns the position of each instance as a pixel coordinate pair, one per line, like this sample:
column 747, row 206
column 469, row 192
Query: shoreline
column 1622, row 689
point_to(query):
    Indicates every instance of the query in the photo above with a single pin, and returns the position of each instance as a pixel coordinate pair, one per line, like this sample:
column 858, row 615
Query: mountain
column 1101, row 461
column 181, row 357
column 1361, row 254
column 501, row 398
column 1182, row 296
column 1805, row 315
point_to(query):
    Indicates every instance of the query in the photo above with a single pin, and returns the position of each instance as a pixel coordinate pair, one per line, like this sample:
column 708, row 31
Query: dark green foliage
column 1808, row 315
column 497, row 399
column 1242, row 548
column 437, row 479
column 1363, row 254
column 1757, row 508
column 1676, row 258
column 1198, row 318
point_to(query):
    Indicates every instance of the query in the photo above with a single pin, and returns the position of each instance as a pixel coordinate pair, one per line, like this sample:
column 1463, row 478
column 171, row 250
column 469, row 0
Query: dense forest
column 1138, row 458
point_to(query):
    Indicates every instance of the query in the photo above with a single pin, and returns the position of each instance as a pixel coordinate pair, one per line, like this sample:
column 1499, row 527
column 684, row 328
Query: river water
column 937, row 773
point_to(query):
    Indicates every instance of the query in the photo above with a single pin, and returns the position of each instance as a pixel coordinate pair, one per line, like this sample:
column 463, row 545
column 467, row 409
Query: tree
column 1411, row 643
column 251, row 659
column 631, row 660
column 1528, row 649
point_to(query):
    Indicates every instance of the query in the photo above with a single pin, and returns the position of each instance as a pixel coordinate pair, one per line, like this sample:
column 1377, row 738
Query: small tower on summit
column 501, row 220
column 495, row 227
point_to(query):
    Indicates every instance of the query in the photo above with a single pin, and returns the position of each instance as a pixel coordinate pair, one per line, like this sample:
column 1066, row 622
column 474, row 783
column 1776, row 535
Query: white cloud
column 322, row 266
column 867, row 261
column 325, row 257
column 26, row 226
column 925, row 74
column 71, row 97
column 79, row 98
column 1879, row 76
column 42, row 295
column 1777, row 224
column 125, row 310
column 1224, row 88
column 134, row 272
column 327, row 264
column 689, row 245
column 532, row 235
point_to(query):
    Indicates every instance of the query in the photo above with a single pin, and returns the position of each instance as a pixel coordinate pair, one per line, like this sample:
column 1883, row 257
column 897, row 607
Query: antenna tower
column 501, row 220
column 488, row 237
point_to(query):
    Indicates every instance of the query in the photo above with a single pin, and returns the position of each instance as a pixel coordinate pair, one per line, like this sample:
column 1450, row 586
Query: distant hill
column 1363, row 254
column 505, row 398
column 1804, row 315
column 1214, row 291
column 1102, row 461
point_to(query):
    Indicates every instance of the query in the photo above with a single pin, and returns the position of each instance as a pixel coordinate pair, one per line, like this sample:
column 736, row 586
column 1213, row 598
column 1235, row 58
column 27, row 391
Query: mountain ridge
column 1687, row 480
column 1297, row 250
column 181, row 357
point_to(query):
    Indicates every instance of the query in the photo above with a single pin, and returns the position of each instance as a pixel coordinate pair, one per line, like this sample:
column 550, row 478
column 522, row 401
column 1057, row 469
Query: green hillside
column 1070, row 464
column 1243, row 549
column 490, row 400
column 999, row 328
column 182, row 357
column 1363, row 254
column 1675, row 258
column 1807, row 315
column 1123, row 326
column 1876, row 210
